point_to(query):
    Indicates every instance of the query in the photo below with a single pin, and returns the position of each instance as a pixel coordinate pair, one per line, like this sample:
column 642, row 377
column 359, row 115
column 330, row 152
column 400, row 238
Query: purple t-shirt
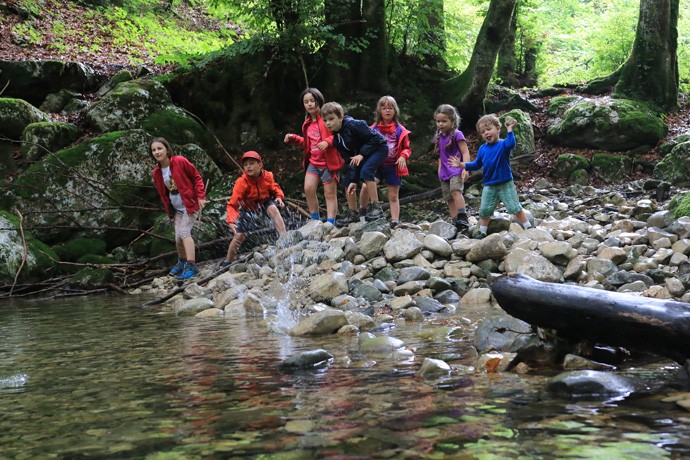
column 446, row 151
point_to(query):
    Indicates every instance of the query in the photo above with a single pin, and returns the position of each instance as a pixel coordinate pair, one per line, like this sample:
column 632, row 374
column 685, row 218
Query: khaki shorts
column 454, row 184
column 183, row 224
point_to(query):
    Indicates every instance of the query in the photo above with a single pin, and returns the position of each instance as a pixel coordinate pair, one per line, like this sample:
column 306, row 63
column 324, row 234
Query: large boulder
column 34, row 80
column 17, row 114
column 41, row 139
column 523, row 154
column 675, row 167
column 611, row 168
column 103, row 184
column 40, row 259
column 608, row 124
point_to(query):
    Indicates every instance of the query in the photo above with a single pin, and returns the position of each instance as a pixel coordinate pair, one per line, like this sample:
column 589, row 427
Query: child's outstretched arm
column 510, row 122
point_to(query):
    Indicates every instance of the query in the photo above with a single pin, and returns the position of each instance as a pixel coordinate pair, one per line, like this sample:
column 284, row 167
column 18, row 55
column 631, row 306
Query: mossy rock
column 665, row 148
column 524, row 136
column 579, row 177
column 17, row 114
column 558, row 105
column 91, row 278
column 568, row 163
column 611, row 168
column 56, row 102
column 163, row 228
column 675, row 203
column 500, row 98
column 608, row 124
column 548, row 92
column 675, row 167
column 178, row 128
column 41, row 261
column 120, row 77
column 40, row 139
column 79, row 247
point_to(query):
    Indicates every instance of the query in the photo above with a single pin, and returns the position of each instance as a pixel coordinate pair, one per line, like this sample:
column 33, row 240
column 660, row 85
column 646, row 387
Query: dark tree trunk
column 342, row 73
column 528, row 76
column 467, row 91
column 374, row 63
column 640, row 323
column 506, row 68
column 435, row 35
column 651, row 72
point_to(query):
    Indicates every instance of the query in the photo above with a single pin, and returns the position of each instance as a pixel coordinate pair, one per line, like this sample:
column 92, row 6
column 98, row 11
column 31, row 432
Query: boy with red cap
column 255, row 193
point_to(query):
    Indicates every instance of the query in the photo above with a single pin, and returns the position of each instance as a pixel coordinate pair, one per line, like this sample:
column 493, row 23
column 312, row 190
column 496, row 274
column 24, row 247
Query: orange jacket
column 334, row 162
column 251, row 192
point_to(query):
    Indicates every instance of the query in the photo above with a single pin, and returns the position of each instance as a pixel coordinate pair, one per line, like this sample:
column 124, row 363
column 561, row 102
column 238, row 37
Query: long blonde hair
column 452, row 113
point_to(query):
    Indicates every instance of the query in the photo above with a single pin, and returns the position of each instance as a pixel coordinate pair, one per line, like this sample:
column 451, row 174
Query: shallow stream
column 102, row 378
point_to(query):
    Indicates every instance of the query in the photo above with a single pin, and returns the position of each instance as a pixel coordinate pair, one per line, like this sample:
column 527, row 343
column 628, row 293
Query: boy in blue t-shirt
column 493, row 158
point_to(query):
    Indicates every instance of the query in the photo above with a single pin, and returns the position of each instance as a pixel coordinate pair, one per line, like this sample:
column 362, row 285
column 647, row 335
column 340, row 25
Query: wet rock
column 429, row 305
column 590, row 385
column 413, row 274
column 413, row 314
column 320, row 323
column 193, row 306
column 402, row 245
column 312, row 359
column 325, row 287
column 370, row 343
column 477, row 298
column 433, row 369
column 574, row 362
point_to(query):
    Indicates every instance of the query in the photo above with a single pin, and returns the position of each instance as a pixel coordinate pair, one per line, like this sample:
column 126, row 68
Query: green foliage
column 682, row 208
column 78, row 248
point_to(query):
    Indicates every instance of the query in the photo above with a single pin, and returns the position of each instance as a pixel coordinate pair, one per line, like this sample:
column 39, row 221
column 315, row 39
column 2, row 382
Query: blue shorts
column 389, row 175
column 250, row 221
column 324, row 174
column 370, row 164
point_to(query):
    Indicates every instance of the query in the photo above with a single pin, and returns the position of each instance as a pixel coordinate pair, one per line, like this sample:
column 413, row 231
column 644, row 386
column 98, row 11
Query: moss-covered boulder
column 675, row 167
column 102, row 186
column 40, row 139
column 128, row 104
column 40, row 259
column 558, row 105
column 568, row 163
column 611, row 168
column 608, row 124
column 56, row 102
column 680, row 205
column 34, row 80
column 17, row 114
column 523, row 154
column 120, row 77
column 579, row 177
column 178, row 128
column 91, row 277
column 80, row 247
column 500, row 98
column 665, row 148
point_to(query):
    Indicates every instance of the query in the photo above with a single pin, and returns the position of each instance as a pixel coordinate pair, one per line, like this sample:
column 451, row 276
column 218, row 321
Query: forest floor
column 107, row 59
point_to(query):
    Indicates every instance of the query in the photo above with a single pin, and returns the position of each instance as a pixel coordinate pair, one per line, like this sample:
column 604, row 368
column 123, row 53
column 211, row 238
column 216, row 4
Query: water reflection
column 101, row 378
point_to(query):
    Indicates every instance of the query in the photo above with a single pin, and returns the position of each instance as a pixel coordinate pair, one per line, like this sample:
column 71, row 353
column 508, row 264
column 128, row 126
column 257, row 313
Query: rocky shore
column 367, row 279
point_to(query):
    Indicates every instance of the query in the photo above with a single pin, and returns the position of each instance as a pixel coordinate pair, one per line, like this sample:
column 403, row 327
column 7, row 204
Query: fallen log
column 638, row 323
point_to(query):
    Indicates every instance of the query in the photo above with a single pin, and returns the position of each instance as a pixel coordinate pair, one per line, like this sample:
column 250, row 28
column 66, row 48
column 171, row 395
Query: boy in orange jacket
column 255, row 192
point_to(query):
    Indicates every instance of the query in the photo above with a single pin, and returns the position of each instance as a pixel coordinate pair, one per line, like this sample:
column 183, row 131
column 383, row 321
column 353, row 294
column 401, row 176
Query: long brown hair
column 165, row 143
column 452, row 113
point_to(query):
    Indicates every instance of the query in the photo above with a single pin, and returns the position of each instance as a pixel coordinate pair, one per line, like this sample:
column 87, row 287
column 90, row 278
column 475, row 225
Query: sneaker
column 190, row 269
column 461, row 222
column 223, row 263
column 177, row 269
column 374, row 212
column 394, row 223
column 479, row 235
column 352, row 215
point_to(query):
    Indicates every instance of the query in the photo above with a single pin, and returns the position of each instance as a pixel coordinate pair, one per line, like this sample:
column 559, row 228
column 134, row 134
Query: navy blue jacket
column 357, row 138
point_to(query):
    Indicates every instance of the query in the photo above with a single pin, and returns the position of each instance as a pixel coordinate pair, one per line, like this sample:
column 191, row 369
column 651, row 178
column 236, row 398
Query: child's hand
column 288, row 138
column 456, row 162
column 356, row 160
column 402, row 163
column 279, row 202
column 510, row 122
column 352, row 189
column 323, row 145
column 233, row 227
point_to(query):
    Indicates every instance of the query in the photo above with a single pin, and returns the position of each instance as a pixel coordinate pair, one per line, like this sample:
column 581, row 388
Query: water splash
column 16, row 381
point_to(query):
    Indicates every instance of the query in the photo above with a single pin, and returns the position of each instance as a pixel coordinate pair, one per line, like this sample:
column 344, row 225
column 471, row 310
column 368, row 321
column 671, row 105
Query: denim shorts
column 504, row 192
column 251, row 221
column 389, row 175
column 324, row 174
column 369, row 165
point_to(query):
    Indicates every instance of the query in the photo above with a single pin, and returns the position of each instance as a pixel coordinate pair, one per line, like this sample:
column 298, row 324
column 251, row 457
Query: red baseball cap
column 251, row 154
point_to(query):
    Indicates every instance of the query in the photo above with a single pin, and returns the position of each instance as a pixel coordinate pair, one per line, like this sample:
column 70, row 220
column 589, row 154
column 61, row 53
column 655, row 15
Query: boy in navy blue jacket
column 364, row 149
column 493, row 158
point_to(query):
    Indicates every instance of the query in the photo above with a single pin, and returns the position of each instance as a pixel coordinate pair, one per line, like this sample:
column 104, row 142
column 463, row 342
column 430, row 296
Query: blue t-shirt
column 494, row 161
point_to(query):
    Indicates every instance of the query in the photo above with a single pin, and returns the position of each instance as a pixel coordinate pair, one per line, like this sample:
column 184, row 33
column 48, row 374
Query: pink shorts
column 183, row 224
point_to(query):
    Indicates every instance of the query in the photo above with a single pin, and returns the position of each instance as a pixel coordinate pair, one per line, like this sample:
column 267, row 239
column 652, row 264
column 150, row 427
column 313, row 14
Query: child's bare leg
column 181, row 253
column 234, row 246
column 277, row 219
column 521, row 216
column 311, row 184
column 352, row 199
column 394, row 201
column 451, row 206
column 364, row 196
column 484, row 221
column 372, row 190
column 188, row 244
column 330, row 193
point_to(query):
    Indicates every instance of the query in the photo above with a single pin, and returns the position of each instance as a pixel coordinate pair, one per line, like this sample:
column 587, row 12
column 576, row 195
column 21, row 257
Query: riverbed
column 100, row 377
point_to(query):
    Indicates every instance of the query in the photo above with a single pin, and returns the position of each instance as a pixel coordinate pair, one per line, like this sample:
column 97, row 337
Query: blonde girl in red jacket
column 394, row 167
column 321, row 161
column 182, row 192
column 256, row 191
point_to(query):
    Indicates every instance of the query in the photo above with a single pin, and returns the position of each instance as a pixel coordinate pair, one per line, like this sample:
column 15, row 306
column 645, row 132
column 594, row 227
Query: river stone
column 371, row 244
column 321, row 323
column 411, row 287
column 370, row 343
column 477, row 298
column 433, row 369
column 413, row 314
column 660, row 219
column 193, row 306
column 590, row 384
column 413, row 274
column 538, row 267
column 448, row 297
column 501, row 333
column 324, row 287
column 443, row 229
column 490, row 247
column 360, row 320
column 210, row 313
column 429, row 305
column 402, row 245
column 680, row 227
column 402, row 302
column 604, row 266
column 312, row 359
column 557, row 252
column 438, row 245
column 367, row 291
column 575, row 268
column 387, row 274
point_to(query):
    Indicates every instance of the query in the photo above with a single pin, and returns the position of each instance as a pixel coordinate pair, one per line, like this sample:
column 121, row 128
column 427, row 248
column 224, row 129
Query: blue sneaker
column 190, row 269
column 177, row 269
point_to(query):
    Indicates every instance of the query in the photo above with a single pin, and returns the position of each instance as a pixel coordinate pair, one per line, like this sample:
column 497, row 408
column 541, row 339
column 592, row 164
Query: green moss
column 78, row 248
column 95, row 259
column 176, row 128
column 611, row 168
column 42, row 259
column 567, row 163
column 15, row 115
column 90, row 278
column 682, row 206
column 579, row 177
column 558, row 105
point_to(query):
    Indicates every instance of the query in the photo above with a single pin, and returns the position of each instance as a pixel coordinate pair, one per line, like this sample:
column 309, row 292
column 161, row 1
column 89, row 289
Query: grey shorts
column 324, row 174
column 183, row 224
column 454, row 184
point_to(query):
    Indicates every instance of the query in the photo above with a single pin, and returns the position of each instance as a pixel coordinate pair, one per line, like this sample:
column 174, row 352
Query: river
column 102, row 378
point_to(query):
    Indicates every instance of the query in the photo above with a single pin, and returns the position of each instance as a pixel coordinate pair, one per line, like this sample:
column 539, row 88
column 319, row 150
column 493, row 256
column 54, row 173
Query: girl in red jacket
column 321, row 161
column 394, row 167
column 256, row 191
column 182, row 192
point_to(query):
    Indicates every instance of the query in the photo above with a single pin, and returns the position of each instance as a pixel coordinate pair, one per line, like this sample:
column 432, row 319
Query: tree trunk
column 467, row 91
column 655, row 325
column 507, row 60
column 435, row 35
column 374, row 63
column 342, row 71
column 650, row 73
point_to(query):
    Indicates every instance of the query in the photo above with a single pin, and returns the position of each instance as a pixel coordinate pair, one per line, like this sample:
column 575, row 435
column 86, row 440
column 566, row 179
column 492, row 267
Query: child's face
column 310, row 105
column 333, row 123
column 160, row 153
column 489, row 132
column 387, row 112
column 252, row 167
column 443, row 123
